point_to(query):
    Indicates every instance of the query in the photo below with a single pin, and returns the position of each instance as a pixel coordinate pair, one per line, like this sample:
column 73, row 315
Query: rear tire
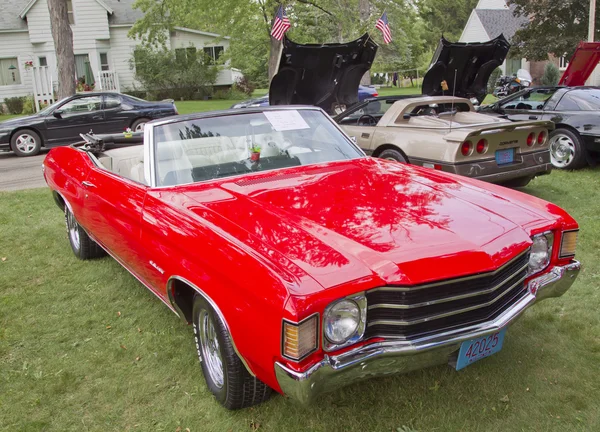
column 393, row 155
column 517, row 182
column 82, row 245
column 25, row 142
column 566, row 149
column 138, row 125
column 225, row 374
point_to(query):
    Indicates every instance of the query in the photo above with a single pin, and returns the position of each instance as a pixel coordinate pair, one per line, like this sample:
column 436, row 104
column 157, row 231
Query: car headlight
column 541, row 251
column 344, row 322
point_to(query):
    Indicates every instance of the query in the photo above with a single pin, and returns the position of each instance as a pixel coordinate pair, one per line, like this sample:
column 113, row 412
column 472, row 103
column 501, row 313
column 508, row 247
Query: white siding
column 121, row 51
column 38, row 22
column 91, row 24
column 474, row 30
column 491, row 4
column 17, row 45
column 183, row 39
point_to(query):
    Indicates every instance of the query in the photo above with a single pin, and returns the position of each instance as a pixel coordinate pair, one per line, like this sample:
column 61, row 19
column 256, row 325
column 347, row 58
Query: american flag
column 383, row 25
column 281, row 24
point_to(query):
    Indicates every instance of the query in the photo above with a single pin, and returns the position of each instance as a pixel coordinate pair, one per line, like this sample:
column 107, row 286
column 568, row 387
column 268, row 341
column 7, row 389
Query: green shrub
column 244, row 85
column 173, row 74
column 231, row 94
column 491, row 84
column 551, row 75
column 14, row 105
column 28, row 105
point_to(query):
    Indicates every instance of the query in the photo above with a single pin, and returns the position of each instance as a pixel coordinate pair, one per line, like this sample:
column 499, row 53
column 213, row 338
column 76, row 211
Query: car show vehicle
column 575, row 112
column 302, row 264
column 445, row 133
column 62, row 122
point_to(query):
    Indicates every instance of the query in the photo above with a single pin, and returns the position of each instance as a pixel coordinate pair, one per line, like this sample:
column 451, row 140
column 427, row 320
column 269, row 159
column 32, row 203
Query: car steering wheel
column 372, row 120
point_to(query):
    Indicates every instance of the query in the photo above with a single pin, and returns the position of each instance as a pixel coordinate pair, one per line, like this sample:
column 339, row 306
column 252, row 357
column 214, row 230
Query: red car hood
column 367, row 218
column 581, row 65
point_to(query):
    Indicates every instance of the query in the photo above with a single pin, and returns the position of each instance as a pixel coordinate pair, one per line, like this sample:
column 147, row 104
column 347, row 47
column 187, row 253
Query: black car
column 574, row 110
column 62, row 122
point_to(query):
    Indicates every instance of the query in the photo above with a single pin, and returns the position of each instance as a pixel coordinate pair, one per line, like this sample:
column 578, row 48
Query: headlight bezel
column 361, row 301
column 549, row 237
column 562, row 243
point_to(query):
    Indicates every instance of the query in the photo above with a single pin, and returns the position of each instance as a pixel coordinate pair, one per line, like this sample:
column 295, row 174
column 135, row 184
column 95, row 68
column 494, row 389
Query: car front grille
column 417, row 311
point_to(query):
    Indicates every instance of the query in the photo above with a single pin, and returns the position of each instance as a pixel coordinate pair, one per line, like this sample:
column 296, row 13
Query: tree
column 555, row 27
column 444, row 17
column 63, row 45
column 551, row 75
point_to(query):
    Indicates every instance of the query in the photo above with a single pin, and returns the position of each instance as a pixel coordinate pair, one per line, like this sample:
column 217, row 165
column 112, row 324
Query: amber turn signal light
column 568, row 244
column 299, row 340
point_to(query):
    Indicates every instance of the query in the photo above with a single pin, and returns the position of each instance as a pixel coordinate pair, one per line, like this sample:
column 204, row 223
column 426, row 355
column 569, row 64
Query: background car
column 62, row 122
column 364, row 92
column 574, row 110
column 445, row 133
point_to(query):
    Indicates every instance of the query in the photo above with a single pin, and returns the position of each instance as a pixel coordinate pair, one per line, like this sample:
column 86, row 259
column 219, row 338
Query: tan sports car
column 445, row 133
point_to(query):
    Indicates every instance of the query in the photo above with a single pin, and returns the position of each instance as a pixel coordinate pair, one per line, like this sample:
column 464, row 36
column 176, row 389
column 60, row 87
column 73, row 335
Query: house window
column 70, row 12
column 43, row 61
column 80, row 61
column 213, row 53
column 9, row 72
column 104, row 62
column 563, row 62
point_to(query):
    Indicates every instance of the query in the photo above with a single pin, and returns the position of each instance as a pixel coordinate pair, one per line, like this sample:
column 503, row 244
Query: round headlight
column 341, row 321
column 539, row 256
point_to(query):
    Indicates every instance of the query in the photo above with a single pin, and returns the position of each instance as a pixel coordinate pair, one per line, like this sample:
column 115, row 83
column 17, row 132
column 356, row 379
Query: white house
column 100, row 29
column 490, row 18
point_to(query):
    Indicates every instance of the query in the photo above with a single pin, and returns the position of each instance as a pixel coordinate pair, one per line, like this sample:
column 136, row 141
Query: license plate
column 477, row 349
column 505, row 156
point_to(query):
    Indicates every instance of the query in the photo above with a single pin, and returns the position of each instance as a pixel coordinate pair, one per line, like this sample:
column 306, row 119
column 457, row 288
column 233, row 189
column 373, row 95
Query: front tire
column 82, row 245
column 25, row 142
column 566, row 149
column 225, row 374
column 393, row 155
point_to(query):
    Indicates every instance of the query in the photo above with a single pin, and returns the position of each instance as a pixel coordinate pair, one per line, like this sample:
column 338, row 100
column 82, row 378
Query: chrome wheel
column 25, row 143
column 139, row 127
column 73, row 229
column 562, row 150
column 209, row 345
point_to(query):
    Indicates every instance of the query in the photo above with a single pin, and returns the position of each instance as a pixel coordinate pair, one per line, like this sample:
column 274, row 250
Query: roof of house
column 9, row 15
column 501, row 21
column 124, row 13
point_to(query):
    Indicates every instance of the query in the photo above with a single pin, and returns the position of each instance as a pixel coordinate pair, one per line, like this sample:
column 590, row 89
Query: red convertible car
column 302, row 264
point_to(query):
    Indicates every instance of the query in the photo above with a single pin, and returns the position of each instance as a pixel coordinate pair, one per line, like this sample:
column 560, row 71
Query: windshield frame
column 150, row 172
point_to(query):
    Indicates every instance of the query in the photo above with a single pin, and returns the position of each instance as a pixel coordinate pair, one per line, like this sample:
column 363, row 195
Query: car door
column 361, row 123
column 528, row 106
column 77, row 115
column 112, row 214
column 116, row 118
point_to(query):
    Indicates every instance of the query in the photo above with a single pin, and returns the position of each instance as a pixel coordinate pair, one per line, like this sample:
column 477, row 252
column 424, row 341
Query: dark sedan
column 575, row 111
column 62, row 122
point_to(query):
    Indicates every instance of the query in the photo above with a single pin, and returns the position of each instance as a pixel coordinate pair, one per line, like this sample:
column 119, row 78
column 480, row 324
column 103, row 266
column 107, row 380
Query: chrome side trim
column 446, row 314
column 212, row 304
column 449, row 281
column 393, row 356
column 448, row 299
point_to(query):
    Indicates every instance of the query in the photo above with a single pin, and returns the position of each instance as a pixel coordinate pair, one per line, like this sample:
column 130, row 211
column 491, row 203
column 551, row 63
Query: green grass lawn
column 83, row 346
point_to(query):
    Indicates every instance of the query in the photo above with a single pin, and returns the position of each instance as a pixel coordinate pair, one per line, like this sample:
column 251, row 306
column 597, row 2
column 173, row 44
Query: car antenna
column 453, row 93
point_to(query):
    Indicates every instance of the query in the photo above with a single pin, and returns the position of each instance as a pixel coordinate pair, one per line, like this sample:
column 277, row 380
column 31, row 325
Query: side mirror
column 406, row 116
column 57, row 113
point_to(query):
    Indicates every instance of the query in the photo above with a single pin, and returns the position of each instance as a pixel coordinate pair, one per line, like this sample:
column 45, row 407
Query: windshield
column 210, row 148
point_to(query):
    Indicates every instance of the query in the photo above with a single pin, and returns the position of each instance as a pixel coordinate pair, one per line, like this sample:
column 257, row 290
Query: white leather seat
column 173, row 165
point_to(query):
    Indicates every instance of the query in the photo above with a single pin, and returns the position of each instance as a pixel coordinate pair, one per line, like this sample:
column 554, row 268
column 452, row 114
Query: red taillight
column 541, row 137
column 375, row 94
column 466, row 148
column 481, row 146
column 530, row 139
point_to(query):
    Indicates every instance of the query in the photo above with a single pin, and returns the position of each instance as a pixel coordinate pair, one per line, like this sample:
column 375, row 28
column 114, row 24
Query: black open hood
column 473, row 63
column 326, row 75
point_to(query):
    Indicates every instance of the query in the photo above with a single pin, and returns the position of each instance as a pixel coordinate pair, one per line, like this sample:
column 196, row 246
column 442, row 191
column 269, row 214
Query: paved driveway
column 21, row 172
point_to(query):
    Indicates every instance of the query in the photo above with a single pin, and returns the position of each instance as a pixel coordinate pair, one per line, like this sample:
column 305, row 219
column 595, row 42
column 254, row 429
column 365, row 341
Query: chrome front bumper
column 397, row 356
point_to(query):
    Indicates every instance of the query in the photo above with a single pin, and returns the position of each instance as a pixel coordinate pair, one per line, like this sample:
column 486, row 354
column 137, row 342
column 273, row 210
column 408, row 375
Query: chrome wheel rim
column 209, row 344
column 73, row 229
column 140, row 127
column 562, row 150
column 25, row 143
